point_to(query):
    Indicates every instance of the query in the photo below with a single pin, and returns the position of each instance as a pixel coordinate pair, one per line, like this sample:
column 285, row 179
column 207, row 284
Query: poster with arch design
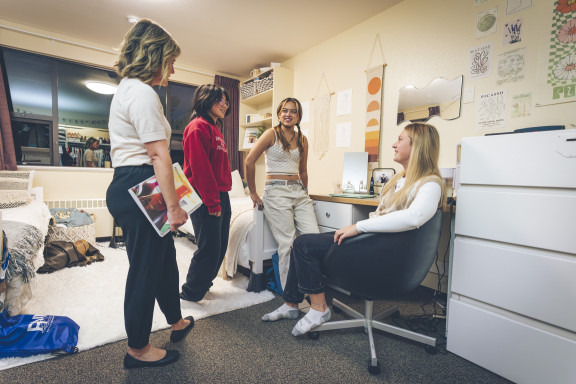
column 374, row 83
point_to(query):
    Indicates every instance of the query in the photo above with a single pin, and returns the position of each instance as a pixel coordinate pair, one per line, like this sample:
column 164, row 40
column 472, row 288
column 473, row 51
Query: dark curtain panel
column 434, row 111
column 7, row 152
column 231, row 122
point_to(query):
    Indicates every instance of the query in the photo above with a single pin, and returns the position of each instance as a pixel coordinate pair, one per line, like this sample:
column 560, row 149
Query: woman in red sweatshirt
column 207, row 168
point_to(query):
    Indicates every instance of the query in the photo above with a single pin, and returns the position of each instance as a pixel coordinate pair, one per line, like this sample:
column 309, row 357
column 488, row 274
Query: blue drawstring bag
column 27, row 335
column 272, row 277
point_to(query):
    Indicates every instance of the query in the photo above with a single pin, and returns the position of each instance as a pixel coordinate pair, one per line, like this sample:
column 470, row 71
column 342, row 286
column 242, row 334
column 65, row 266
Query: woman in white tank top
column 286, row 204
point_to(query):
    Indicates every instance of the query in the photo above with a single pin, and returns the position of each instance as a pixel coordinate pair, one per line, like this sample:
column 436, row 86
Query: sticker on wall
column 491, row 110
column 480, row 61
column 521, row 105
column 486, row 22
column 511, row 66
column 513, row 6
column 374, row 81
column 512, row 32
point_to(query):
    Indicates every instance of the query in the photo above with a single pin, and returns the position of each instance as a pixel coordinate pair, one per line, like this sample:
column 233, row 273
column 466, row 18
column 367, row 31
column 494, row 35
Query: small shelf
column 261, row 123
column 260, row 98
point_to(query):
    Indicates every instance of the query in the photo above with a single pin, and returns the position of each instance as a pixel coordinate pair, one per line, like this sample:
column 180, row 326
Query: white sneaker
column 313, row 319
column 284, row 312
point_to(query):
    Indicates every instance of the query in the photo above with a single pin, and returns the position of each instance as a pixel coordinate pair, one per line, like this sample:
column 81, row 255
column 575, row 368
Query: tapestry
column 561, row 71
column 374, row 81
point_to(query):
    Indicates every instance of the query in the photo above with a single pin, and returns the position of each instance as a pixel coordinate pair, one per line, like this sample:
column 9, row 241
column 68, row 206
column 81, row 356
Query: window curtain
column 7, row 151
column 231, row 126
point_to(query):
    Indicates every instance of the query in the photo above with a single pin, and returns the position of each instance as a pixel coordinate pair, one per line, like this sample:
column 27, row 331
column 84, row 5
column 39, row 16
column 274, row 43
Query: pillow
column 237, row 185
column 15, row 188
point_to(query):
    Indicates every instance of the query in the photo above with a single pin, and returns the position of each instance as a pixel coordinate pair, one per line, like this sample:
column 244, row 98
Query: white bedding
column 37, row 215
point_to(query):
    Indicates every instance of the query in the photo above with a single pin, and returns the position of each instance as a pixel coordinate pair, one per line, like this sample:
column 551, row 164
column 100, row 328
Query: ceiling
column 224, row 36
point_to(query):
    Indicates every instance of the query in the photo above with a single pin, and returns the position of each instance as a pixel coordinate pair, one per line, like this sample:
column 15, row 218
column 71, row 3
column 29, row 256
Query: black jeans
column 305, row 274
column 211, row 234
column 153, row 272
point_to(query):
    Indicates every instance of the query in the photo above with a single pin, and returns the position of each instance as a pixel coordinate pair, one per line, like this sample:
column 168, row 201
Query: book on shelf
column 149, row 199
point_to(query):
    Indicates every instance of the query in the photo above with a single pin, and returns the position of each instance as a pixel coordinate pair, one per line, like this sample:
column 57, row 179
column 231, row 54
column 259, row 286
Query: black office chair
column 377, row 266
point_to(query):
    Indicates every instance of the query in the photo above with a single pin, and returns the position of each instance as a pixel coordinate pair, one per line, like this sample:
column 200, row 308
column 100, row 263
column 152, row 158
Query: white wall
column 421, row 40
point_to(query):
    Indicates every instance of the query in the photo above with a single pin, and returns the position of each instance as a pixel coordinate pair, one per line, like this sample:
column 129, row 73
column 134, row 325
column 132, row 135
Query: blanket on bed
column 240, row 224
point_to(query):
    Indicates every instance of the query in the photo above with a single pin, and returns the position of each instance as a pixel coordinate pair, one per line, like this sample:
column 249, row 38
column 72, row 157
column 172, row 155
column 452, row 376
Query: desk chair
column 376, row 266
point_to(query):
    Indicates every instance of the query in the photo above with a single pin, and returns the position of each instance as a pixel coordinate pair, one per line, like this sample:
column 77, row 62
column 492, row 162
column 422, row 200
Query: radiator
column 103, row 219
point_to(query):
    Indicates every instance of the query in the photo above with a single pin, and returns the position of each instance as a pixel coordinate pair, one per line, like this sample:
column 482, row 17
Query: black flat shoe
column 131, row 362
column 176, row 336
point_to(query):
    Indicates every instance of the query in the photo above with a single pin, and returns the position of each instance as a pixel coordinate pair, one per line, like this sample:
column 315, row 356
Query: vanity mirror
column 439, row 98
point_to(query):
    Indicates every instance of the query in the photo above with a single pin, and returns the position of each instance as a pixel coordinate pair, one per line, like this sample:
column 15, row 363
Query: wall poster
column 374, row 81
column 486, row 22
column 480, row 61
column 491, row 110
column 560, row 62
column 512, row 32
column 511, row 66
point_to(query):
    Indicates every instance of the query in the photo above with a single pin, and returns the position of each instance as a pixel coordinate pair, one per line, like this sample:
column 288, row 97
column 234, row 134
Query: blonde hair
column 423, row 163
column 146, row 49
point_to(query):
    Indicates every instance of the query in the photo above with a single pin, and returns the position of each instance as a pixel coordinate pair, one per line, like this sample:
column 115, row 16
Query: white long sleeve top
column 422, row 209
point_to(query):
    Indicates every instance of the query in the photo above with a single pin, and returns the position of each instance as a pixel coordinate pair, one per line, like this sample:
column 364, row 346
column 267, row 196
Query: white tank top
column 280, row 162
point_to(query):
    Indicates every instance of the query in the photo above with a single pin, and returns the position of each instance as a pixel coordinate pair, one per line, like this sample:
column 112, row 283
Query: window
column 54, row 113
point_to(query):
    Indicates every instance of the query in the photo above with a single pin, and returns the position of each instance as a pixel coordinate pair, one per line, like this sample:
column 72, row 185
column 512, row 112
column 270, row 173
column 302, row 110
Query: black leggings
column 153, row 272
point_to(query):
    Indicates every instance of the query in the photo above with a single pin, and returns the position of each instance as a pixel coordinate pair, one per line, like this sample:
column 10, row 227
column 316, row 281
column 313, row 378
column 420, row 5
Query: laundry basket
column 73, row 233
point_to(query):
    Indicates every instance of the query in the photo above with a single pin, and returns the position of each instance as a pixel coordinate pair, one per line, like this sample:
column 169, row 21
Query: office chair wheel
column 313, row 335
column 373, row 369
column 431, row 350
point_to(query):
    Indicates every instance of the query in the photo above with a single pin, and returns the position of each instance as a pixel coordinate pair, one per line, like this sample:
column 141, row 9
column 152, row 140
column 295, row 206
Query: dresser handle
column 327, row 214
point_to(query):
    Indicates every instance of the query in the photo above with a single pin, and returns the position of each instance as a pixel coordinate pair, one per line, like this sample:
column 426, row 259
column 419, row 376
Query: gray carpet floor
column 236, row 347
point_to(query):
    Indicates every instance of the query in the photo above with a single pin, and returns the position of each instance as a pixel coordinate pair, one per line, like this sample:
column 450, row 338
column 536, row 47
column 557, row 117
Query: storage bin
column 72, row 234
column 247, row 90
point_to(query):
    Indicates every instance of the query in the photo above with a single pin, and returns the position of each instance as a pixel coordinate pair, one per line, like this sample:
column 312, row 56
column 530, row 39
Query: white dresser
column 512, row 307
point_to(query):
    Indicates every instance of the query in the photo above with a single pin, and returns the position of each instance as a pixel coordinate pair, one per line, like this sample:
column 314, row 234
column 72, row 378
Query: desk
column 333, row 213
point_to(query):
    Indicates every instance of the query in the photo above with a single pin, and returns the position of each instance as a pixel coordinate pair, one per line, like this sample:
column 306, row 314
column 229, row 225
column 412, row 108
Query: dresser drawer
column 338, row 215
column 333, row 215
column 529, row 281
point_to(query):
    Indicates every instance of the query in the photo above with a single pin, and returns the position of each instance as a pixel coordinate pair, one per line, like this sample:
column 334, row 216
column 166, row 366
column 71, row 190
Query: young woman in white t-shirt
column 139, row 137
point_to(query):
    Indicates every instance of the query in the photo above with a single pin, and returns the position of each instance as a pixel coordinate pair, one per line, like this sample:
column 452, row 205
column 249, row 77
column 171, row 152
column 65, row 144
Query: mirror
column 439, row 98
column 355, row 172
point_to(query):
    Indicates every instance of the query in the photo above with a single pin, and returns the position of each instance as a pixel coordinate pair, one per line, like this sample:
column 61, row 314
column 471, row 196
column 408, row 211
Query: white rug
column 93, row 296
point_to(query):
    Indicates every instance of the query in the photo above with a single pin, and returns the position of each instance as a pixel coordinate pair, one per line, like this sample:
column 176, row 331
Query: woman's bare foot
column 148, row 353
column 180, row 325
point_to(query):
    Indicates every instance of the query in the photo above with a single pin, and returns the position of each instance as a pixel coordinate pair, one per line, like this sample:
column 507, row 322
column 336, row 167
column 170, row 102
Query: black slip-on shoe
column 176, row 336
column 131, row 362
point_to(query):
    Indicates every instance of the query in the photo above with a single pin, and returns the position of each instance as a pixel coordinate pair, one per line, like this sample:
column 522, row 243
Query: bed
column 26, row 226
column 251, row 241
